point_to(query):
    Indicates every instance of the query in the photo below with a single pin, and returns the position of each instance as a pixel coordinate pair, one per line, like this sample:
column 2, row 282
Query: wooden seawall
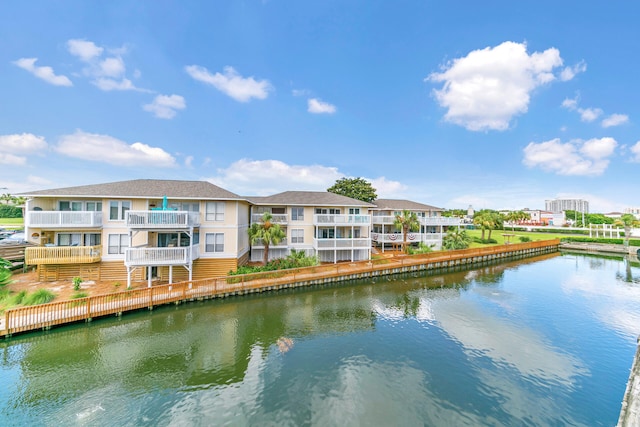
column 31, row 318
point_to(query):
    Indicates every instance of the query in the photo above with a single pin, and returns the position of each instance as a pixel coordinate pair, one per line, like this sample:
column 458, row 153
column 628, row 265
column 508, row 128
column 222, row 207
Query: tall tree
column 514, row 216
column 407, row 221
column 627, row 221
column 488, row 219
column 356, row 188
column 267, row 232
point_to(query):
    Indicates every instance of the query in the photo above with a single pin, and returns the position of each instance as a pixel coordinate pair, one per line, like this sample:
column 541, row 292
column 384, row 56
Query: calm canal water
column 545, row 341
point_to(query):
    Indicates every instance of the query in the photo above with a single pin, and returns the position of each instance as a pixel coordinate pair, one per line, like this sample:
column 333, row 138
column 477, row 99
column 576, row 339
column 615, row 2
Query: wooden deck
column 44, row 316
column 40, row 255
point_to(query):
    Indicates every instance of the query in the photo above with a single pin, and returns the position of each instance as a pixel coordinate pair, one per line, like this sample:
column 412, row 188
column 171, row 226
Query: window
column 297, row 214
column 118, row 209
column 324, row 211
column 69, row 239
column 326, row 233
column 297, row 236
column 92, row 239
column 354, row 211
column 70, row 206
column 215, row 211
column 118, row 243
column 170, row 240
column 185, row 206
column 214, row 242
column 94, row 206
column 278, row 211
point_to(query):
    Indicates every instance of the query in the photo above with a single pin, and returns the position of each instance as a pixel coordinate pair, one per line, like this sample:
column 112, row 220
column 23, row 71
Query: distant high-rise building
column 559, row 205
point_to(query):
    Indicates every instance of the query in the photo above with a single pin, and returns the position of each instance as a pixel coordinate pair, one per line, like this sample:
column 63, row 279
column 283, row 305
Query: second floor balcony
column 342, row 219
column 411, row 237
column 275, row 218
column 151, row 256
column 424, row 220
column 339, row 243
column 64, row 219
column 259, row 244
column 153, row 220
column 42, row 255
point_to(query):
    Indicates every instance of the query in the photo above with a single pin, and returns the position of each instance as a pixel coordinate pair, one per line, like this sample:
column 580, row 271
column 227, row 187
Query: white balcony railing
column 162, row 219
column 275, row 218
column 427, row 220
column 360, row 243
column 342, row 220
column 258, row 244
column 161, row 256
column 64, row 219
column 411, row 237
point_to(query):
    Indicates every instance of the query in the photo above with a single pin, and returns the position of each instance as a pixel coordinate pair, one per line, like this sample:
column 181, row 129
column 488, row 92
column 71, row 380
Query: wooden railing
column 39, row 255
column 43, row 316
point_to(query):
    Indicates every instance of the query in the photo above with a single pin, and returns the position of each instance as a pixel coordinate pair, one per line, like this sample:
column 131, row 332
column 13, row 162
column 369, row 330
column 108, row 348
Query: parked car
column 5, row 233
column 14, row 239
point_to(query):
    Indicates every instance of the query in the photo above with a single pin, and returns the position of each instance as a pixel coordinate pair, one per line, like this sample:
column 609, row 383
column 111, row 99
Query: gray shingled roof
column 144, row 188
column 398, row 205
column 308, row 198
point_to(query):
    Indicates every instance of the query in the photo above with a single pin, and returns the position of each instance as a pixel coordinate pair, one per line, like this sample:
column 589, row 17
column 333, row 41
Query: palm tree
column 514, row 216
column 6, row 198
column 408, row 221
column 627, row 221
column 456, row 238
column 266, row 232
column 488, row 220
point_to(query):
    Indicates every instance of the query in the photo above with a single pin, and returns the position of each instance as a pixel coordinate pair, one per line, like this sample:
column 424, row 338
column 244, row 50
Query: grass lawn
column 11, row 222
column 498, row 235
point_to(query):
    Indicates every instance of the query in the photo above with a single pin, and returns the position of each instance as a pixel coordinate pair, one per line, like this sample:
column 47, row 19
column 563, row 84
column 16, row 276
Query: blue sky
column 495, row 104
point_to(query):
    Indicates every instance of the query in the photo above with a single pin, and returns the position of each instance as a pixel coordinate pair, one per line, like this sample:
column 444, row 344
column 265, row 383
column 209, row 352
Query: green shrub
column 79, row 295
column 422, row 248
column 41, row 296
column 524, row 239
column 8, row 211
column 76, row 283
column 18, row 298
column 485, row 241
column 296, row 259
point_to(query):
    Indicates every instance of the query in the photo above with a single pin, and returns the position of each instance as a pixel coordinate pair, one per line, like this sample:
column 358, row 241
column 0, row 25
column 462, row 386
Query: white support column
column 149, row 276
column 170, row 274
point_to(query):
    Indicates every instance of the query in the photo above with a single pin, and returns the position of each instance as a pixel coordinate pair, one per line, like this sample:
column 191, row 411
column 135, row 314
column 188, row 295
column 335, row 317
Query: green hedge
column 8, row 211
column 632, row 242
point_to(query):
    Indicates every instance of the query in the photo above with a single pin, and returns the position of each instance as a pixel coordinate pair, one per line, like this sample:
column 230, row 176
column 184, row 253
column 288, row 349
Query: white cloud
column 107, row 149
column 589, row 114
column 165, row 106
column 487, row 88
column 106, row 73
column 83, row 49
column 582, row 158
column 570, row 104
column 635, row 149
column 188, row 161
column 13, row 160
column 615, row 120
column 316, row 106
column 300, row 92
column 263, row 177
column 45, row 73
column 112, row 67
column 387, row 189
column 107, row 85
column 24, row 143
column 231, row 83
column 570, row 72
